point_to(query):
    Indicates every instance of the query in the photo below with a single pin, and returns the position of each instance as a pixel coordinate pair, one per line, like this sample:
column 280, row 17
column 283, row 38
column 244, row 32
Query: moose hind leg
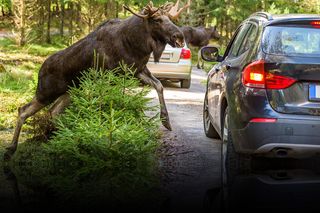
column 199, row 59
column 202, row 64
column 24, row 112
column 149, row 79
column 60, row 104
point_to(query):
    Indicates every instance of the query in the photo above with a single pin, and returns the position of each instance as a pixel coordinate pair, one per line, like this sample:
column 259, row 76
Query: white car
column 174, row 65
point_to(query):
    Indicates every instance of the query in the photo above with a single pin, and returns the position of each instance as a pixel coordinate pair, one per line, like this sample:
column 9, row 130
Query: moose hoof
column 167, row 125
column 9, row 153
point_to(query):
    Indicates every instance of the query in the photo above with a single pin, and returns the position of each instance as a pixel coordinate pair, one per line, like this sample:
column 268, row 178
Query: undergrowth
column 103, row 140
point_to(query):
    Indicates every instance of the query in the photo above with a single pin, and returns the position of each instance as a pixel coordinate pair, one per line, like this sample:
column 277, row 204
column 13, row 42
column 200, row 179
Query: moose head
column 158, row 21
column 213, row 32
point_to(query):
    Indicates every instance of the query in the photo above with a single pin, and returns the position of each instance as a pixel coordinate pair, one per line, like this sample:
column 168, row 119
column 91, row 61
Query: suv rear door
column 231, row 65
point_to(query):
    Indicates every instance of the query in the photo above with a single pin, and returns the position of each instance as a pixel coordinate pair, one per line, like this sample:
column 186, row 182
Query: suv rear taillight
column 254, row 76
column 185, row 54
column 315, row 24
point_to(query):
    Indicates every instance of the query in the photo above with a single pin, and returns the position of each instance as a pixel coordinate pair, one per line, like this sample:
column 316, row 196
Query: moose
column 199, row 37
column 131, row 41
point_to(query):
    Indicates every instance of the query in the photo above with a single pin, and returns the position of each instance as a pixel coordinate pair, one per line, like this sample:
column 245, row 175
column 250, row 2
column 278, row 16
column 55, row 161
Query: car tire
column 209, row 130
column 232, row 163
column 185, row 83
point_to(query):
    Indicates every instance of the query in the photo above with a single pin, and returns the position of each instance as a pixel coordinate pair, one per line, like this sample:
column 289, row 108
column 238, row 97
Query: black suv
column 263, row 95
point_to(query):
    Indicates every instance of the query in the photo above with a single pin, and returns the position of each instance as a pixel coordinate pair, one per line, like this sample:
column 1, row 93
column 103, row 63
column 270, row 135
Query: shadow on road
column 275, row 185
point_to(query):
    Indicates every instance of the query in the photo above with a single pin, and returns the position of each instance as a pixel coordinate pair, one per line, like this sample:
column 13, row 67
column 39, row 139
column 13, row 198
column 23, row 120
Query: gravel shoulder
column 191, row 162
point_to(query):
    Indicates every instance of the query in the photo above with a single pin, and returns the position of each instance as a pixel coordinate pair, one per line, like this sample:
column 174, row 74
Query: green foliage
column 83, row 16
column 19, row 76
column 106, row 122
column 15, row 90
column 8, row 46
column 273, row 9
column 103, row 140
column 6, row 5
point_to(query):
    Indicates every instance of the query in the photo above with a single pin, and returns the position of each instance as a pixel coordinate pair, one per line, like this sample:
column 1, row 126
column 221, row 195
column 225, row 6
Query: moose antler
column 149, row 10
column 134, row 13
column 173, row 10
column 170, row 9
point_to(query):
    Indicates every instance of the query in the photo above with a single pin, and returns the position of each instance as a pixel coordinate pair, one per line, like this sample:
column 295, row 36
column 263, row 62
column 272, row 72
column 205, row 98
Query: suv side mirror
column 209, row 53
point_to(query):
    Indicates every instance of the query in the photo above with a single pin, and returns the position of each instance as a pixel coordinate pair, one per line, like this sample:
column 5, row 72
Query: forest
column 39, row 20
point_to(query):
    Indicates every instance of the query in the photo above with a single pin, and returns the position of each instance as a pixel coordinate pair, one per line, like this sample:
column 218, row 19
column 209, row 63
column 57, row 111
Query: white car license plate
column 166, row 56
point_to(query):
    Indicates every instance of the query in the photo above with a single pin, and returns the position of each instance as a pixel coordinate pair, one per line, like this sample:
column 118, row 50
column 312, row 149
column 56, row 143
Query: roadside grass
column 9, row 46
column 18, row 76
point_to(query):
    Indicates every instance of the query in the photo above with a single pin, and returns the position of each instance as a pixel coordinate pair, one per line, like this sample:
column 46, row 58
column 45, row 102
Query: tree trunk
column 78, row 18
column 41, row 20
column 62, row 18
column 105, row 11
column 48, row 37
column 10, row 12
column 89, row 25
column 22, row 40
column 2, row 11
column 220, row 23
column 224, row 27
column 264, row 5
column 70, row 4
column 117, row 9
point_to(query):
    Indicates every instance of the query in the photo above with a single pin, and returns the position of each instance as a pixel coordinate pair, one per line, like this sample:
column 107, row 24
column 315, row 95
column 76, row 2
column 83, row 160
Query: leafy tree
column 82, row 16
column 6, row 7
column 23, row 12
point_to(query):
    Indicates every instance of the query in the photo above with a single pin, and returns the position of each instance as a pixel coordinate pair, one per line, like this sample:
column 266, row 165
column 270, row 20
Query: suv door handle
column 223, row 68
column 226, row 67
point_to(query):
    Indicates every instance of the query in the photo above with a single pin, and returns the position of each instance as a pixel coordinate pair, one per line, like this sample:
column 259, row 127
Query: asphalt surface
column 191, row 165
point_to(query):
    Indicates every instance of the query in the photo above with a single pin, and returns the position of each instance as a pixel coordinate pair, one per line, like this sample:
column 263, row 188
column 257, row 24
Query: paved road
column 192, row 163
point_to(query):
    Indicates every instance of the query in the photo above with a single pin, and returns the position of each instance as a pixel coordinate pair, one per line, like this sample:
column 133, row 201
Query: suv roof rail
column 263, row 14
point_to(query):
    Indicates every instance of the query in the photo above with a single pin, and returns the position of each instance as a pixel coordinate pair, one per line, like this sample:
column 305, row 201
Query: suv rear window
column 291, row 41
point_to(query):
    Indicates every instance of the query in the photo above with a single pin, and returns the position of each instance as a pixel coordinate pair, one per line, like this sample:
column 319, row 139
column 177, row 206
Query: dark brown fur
column 115, row 41
column 199, row 37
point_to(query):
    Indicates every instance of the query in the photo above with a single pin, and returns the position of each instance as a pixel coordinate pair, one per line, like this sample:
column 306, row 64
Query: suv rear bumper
column 285, row 138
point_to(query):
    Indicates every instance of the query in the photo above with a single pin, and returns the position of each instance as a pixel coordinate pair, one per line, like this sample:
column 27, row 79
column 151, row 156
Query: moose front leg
column 146, row 77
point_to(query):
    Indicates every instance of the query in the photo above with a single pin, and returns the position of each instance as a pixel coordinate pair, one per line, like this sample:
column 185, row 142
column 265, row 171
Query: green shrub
column 106, row 125
column 103, row 141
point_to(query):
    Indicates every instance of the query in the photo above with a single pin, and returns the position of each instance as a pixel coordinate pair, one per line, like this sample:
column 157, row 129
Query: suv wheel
column 186, row 83
column 232, row 163
column 209, row 130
